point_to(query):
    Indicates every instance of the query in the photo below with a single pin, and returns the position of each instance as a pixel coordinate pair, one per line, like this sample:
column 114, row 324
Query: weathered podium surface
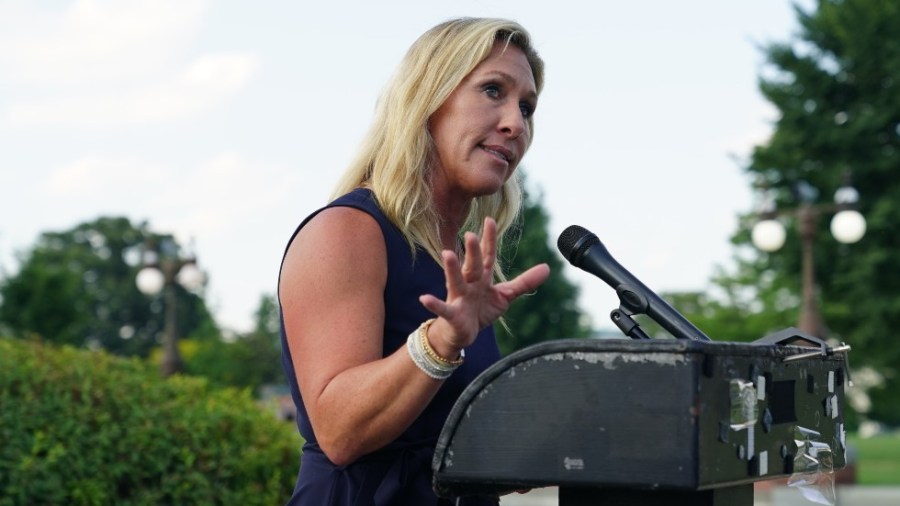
column 615, row 421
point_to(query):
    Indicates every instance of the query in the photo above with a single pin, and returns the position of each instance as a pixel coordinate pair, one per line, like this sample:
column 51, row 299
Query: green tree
column 741, row 306
column 838, row 91
column 78, row 287
column 249, row 360
column 552, row 311
column 837, row 88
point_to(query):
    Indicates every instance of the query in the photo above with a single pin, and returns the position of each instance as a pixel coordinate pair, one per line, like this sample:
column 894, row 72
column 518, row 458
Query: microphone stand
column 631, row 302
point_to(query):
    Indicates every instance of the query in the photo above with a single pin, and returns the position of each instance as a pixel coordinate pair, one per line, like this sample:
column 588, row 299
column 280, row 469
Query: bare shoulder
column 339, row 226
column 331, row 292
column 342, row 239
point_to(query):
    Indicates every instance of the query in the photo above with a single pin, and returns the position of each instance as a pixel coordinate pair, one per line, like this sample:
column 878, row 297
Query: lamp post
column 847, row 226
column 165, row 267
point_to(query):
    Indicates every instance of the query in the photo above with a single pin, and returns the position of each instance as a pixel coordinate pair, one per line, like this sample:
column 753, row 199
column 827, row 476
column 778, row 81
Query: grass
column 877, row 459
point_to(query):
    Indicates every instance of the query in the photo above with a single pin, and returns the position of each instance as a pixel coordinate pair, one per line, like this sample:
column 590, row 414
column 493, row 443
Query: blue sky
column 227, row 122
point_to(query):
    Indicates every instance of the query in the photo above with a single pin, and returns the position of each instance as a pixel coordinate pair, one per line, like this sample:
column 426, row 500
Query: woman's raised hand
column 473, row 299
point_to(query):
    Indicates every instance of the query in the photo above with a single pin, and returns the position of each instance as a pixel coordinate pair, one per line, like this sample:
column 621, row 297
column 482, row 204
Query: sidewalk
column 847, row 495
column 538, row 497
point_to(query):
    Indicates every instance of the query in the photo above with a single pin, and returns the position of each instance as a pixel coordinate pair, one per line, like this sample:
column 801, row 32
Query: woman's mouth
column 499, row 152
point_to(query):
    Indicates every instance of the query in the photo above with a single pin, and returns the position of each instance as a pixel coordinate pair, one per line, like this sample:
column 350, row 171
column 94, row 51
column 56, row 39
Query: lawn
column 877, row 459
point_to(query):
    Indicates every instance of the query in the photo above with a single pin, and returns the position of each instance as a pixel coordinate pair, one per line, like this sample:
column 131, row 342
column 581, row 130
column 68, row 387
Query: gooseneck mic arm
column 584, row 250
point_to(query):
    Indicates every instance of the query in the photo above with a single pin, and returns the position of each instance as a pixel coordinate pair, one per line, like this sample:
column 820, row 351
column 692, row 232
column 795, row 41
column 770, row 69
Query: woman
column 388, row 294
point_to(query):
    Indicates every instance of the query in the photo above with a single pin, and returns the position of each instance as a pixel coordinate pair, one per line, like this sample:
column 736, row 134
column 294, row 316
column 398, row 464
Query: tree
column 78, row 287
column 552, row 311
column 837, row 88
column 741, row 306
column 249, row 361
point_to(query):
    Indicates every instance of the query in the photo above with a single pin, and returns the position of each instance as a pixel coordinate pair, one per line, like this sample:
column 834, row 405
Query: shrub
column 84, row 428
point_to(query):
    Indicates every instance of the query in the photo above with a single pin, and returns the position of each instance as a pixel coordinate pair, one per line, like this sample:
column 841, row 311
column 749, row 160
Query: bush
column 84, row 428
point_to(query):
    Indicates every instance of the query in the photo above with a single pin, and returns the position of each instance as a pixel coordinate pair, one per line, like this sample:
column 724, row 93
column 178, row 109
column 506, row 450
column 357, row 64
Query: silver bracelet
column 425, row 363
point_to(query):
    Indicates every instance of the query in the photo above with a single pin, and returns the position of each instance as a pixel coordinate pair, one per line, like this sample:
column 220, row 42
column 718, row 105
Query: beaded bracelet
column 431, row 364
column 423, row 335
column 422, row 361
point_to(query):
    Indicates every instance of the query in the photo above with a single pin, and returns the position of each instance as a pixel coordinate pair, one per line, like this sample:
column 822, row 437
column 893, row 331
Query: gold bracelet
column 423, row 335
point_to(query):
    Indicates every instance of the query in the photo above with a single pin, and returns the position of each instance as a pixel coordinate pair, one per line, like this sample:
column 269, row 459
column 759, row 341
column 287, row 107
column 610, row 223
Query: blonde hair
column 393, row 158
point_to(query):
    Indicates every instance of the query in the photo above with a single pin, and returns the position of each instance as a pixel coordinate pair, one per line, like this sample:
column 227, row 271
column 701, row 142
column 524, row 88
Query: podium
column 620, row 422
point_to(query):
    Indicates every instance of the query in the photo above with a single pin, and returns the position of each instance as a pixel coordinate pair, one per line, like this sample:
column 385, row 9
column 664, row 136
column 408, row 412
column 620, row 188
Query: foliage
column 248, row 361
column 731, row 311
column 837, row 88
column 551, row 312
column 838, row 91
column 85, row 428
column 78, row 287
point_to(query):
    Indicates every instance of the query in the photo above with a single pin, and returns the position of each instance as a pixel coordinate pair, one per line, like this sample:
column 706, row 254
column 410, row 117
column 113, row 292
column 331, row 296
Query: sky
column 226, row 122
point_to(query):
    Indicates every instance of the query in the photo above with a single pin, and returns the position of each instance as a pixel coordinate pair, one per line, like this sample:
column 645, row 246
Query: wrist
column 443, row 348
column 426, row 358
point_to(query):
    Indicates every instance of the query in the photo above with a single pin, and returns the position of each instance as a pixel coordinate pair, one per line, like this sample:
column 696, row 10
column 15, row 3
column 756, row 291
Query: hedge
column 86, row 428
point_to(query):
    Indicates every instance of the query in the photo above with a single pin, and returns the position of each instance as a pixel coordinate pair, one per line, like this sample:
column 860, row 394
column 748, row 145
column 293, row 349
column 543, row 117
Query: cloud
column 95, row 176
column 93, row 41
column 240, row 211
column 229, row 192
column 203, row 85
column 212, row 198
column 105, row 63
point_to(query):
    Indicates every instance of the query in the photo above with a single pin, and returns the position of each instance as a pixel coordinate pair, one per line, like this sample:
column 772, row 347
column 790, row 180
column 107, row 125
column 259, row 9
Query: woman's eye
column 492, row 90
column 527, row 109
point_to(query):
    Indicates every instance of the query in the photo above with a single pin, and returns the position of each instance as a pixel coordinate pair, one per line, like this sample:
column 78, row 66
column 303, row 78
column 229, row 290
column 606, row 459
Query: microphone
column 584, row 250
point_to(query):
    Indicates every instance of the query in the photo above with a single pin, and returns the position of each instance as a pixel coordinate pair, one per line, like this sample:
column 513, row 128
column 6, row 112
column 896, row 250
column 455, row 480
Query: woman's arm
column 332, row 286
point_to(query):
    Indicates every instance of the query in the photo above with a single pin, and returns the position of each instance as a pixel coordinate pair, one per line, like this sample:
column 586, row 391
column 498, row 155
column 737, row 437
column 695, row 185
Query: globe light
column 150, row 280
column 191, row 277
column 846, row 195
column 149, row 257
column 166, row 266
column 768, row 235
column 848, row 226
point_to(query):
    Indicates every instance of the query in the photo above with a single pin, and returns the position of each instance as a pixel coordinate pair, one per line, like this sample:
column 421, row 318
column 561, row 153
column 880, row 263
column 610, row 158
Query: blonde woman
column 389, row 293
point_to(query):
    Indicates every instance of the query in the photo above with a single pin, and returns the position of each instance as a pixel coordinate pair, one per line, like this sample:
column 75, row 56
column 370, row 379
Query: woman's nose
column 513, row 121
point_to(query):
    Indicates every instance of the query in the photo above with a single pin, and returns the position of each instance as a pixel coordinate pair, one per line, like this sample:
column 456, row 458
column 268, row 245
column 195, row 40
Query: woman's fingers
column 489, row 245
column 481, row 253
column 473, row 300
column 455, row 278
column 526, row 282
column 472, row 269
column 434, row 304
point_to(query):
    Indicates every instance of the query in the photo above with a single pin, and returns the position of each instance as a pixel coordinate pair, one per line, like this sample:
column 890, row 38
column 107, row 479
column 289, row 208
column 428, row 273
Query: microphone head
column 574, row 241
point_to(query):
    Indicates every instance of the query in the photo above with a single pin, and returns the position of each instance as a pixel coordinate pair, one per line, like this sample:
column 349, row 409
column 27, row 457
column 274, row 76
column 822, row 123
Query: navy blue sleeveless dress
column 399, row 474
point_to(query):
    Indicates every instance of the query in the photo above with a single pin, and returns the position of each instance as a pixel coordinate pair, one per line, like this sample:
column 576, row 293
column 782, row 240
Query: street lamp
column 847, row 226
column 164, row 268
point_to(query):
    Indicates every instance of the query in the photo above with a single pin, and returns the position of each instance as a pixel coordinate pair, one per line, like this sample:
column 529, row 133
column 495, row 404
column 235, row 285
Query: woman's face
column 480, row 132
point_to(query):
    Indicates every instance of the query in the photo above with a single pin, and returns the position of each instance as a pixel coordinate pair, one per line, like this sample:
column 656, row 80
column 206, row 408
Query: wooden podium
column 621, row 422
